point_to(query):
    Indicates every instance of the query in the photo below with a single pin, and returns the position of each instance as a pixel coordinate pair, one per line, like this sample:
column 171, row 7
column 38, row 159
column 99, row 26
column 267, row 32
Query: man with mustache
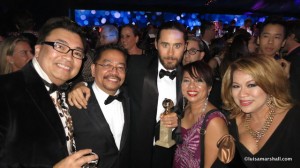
column 104, row 125
column 147, row 88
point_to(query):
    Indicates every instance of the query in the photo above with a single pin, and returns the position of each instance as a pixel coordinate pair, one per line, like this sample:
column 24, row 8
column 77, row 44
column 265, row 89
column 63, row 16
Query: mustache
column 170, row 57
column 112, row 76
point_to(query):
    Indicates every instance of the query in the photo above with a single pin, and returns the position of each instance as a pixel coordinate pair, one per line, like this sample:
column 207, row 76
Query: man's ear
column 37, row 49
column 155, row 42
column 93, row 70
column 283, row 43
column 201, row 56
column 137, row 39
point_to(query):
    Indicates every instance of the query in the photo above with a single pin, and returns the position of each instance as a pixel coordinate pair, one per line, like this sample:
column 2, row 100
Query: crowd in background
column 225, row 63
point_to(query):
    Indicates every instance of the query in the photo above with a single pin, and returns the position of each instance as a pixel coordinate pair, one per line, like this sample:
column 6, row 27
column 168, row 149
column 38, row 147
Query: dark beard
column 169, row 66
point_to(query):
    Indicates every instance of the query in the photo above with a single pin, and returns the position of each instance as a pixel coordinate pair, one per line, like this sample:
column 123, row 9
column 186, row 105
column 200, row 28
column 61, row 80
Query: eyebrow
column 107, row 60
column 66, row 43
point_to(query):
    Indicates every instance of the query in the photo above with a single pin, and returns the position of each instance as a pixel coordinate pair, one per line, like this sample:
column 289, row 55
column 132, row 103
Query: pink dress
column 187, row 154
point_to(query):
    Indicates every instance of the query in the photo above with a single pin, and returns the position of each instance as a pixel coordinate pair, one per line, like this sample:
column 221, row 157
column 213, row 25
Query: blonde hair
column 267, row 74
column 7, row 48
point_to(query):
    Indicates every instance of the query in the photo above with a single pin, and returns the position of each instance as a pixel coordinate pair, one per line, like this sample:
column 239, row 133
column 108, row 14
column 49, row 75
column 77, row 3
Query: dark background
column 44, row 9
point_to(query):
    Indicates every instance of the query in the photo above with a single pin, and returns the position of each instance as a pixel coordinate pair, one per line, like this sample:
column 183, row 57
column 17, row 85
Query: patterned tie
column 63, row 111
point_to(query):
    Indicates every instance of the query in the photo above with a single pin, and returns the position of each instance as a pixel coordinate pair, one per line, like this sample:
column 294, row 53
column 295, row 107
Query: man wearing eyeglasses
column 36, row 128
column 149, row 82
column 194, row 51
column 104, row 125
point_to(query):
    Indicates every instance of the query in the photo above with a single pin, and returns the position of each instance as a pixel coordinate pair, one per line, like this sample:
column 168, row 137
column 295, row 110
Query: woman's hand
column 169, row 120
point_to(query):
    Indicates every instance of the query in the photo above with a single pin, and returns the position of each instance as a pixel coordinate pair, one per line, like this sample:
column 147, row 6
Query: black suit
column 92, row 131
column 207, row 55
column 31, row 132
column 142, row 86
column 294, row 58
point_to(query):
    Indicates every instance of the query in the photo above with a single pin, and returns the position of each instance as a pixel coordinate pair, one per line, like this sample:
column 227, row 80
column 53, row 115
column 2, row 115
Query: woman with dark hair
column 196, row 85
column 239, row 48
column 129, row 39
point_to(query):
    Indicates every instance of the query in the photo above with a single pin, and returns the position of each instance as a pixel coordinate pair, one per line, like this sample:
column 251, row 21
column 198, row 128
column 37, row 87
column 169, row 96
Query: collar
column 100, row 93
column 40, row 71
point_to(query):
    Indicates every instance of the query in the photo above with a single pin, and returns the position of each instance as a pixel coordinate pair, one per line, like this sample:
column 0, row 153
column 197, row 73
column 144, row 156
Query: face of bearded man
column 170, row 47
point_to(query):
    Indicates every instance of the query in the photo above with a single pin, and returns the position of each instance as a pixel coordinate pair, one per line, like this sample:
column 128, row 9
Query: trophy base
column 165, row 144
column 165, row 137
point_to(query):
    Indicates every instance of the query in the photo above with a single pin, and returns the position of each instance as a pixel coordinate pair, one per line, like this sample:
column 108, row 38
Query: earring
column 270, row 102
column 183, row 103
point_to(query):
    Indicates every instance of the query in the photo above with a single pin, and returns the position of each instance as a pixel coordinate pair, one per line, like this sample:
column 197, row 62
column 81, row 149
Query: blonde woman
column 15, row 52
column 264, row 123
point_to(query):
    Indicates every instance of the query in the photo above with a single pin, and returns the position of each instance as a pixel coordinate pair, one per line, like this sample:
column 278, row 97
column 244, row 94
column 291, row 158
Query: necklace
column 257, row 135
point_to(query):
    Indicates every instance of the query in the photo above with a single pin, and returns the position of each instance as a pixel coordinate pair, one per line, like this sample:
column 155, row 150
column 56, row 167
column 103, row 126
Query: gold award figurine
column 165, row 134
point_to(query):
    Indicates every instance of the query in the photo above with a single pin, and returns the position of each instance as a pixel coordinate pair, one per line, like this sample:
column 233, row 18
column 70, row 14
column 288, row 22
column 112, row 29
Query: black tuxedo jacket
column 31, row 132
column 143, row 92
column 294, row 58
column 92, row 131
column 207, row 55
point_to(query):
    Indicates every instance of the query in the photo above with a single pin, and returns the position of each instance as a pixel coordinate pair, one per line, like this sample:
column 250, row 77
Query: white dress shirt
column 166, row 89
column 113, row 113
column 63, row 115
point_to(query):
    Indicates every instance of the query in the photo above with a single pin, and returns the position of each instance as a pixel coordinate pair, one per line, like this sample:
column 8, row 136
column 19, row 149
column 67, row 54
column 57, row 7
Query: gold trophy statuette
column 165, row 134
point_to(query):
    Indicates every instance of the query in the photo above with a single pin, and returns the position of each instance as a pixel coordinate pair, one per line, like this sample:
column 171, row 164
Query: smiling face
column 271, row 39
column 194, row 90
column 58, row 66
column 246, row 94
column 170, row 47
column 108, row 71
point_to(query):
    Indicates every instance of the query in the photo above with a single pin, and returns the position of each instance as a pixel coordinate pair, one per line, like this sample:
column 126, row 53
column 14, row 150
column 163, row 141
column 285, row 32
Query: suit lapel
column 179, row 97
column 39, row 95
column 150, row 91
column 97, row 118
column 125, row 132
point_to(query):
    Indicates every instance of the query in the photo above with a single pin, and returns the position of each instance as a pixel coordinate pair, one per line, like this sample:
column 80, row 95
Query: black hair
column 64, row 23
column 103, row 48
column 200, row 70
column 172, row 25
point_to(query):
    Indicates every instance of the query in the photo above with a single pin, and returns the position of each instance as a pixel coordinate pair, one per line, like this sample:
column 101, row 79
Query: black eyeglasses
column 62, row 48
column 192, row 52
column 119, row 68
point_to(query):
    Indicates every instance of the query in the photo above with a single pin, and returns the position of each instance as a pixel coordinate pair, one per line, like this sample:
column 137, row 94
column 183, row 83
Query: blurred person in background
column 292, row 48
column 15, row 52
column 194, row 50
column 129, row 38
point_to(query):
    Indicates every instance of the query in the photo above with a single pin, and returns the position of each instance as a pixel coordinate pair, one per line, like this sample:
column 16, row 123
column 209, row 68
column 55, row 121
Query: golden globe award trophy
column 165, row 134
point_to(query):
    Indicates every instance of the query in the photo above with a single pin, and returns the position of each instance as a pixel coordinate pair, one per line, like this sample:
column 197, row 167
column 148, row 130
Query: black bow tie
column 110, row 98
column 52, row 87
column 163, row 73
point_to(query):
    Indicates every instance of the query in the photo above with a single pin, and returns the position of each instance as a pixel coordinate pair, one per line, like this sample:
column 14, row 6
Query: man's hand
column 76, row 160
column 79, row 95
column 169, row 120
column 286, row 65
